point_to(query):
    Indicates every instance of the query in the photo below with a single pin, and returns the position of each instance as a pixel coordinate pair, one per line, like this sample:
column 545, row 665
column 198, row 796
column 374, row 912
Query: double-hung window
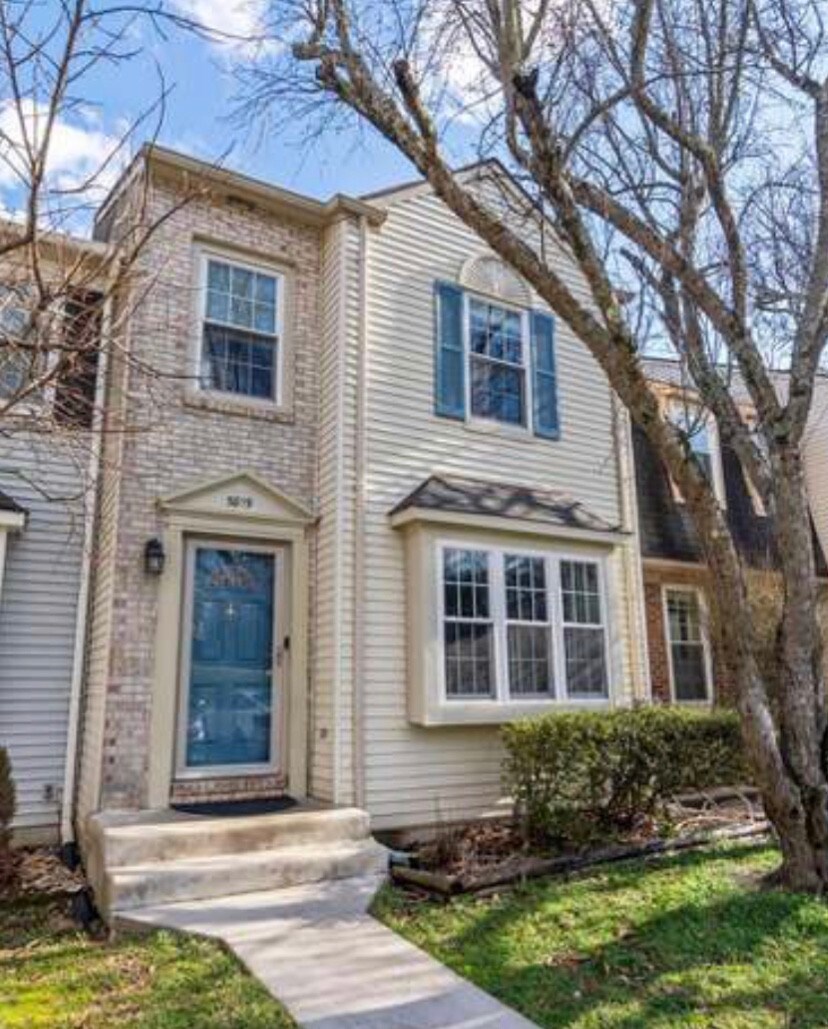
column 583, row 629
column 497, row 362
column 468, row 629
column 494, row 362
column 241, row 330
column 16, row 361
column 689, row 662
column 522, row 626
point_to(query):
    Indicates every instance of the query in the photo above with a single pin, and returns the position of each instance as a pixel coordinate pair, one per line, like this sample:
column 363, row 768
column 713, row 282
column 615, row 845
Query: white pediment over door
column 244, row 495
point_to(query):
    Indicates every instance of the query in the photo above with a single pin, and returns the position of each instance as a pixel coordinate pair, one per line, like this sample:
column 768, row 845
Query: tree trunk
column 785, row 746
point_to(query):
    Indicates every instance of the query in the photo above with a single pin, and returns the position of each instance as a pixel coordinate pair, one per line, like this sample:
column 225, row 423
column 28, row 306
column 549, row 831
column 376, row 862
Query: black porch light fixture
column 154, row 556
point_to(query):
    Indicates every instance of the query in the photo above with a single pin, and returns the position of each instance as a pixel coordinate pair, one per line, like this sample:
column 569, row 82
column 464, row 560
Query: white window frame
column 502, row 697
column 526, row 427
column 669, row 587
column 228, row 257
column 549, row 625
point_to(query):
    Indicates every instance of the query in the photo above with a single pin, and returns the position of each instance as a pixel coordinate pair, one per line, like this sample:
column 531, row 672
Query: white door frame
column 279, row 740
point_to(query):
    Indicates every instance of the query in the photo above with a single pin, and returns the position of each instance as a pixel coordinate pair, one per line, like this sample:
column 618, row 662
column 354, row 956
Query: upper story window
column 703, row 437
column 494, row 361
column 15, row 364
column 241, row 330
column 497, row 362
column 522, row 627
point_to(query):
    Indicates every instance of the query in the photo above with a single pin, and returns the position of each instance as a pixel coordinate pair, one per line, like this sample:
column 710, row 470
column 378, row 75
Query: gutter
column 67, row 826
column 358, row 703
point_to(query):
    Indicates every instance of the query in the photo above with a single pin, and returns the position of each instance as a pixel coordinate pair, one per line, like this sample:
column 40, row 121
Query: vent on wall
column 489, row 275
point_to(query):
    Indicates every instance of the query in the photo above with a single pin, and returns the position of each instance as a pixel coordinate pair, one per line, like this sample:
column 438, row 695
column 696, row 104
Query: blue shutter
column 544, row 383
column 449, row 377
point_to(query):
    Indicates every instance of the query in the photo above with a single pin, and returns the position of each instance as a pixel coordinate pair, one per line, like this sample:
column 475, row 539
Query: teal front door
column 230, row 704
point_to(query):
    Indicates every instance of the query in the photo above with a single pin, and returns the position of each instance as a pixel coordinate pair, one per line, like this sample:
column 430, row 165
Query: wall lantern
column 154, row 557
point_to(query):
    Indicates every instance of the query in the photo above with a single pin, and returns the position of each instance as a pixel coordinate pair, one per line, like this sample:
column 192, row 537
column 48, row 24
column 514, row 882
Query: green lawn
column 51, row 974
column 686, row 941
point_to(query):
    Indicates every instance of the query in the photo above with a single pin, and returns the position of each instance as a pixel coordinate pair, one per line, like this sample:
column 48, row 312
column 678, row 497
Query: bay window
column 521, row 626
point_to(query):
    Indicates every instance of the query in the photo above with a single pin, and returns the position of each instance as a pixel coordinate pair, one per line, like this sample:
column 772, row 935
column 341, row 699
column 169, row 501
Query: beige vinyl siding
column 38, row 612
column 420, row 775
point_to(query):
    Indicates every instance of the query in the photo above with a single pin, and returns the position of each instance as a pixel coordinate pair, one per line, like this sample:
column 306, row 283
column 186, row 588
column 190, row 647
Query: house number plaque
column 239, row 501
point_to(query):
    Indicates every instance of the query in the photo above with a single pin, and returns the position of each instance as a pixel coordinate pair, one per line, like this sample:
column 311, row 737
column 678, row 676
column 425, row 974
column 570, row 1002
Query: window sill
column 493, row 428
column 483, row 712
column 245, row 407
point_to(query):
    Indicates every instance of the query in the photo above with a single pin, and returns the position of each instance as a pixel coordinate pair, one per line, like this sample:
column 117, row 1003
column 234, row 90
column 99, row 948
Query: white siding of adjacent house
column 424, row 775
column 815, row 454
column 38, row 611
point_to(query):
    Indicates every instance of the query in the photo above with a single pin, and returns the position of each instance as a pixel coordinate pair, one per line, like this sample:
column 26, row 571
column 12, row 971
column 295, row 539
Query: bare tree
column 66, row 299
column 679, row 151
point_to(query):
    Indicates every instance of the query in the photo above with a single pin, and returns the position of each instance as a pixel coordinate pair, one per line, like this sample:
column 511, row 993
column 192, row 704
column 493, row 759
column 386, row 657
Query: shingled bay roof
column 462, row 495
column 7, row 503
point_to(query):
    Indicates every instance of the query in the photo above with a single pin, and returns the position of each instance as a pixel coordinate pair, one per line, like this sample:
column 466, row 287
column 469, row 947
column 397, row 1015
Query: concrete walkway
column 321, row 954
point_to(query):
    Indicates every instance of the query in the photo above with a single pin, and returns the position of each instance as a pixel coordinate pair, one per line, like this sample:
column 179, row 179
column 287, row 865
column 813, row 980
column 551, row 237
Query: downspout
column 67, row 822
column 339, row 494
column 634, row 575
column 358, row 706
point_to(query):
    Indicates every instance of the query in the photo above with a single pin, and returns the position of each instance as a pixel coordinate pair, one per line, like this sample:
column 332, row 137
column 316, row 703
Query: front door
column 229, row 711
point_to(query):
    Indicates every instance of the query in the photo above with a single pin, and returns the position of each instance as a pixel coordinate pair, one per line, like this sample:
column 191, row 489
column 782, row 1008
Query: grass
column 52, row 974
column 688, row 941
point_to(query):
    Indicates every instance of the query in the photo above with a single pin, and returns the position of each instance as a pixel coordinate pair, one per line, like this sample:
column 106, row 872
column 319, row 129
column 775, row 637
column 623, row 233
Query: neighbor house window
column 515, row 625
column 689, row 664
column 16, row 364
column 497, row 370
column 702, row 436
column 241, row 330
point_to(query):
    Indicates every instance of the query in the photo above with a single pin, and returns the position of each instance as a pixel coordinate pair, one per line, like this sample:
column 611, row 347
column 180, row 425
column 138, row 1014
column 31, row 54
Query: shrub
column 7, row 809
column 578, row 776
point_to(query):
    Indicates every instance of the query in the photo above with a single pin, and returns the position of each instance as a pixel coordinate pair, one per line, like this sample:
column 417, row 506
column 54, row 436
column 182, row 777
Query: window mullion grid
column 561, row 687
column 528, row 370
column 501, row 642
column 467, row 371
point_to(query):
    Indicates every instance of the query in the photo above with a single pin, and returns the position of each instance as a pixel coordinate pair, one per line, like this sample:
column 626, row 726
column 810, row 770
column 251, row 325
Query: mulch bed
column 39, row 871
column 488, row 855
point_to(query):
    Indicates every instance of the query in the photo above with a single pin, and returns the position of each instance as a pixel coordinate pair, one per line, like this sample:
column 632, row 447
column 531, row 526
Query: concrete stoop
column 152, row 858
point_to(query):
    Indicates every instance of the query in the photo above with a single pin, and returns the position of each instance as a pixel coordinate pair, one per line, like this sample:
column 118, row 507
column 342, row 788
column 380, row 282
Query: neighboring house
column 380, row 510
column 680, row 623
column 45, row 521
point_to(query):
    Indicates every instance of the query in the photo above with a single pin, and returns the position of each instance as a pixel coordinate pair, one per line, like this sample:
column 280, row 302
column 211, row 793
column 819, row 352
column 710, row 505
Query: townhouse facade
column 364, row 501
column 383, row 494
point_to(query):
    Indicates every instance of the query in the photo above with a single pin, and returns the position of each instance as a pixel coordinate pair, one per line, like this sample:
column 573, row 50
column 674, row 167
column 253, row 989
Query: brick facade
column 182, row 440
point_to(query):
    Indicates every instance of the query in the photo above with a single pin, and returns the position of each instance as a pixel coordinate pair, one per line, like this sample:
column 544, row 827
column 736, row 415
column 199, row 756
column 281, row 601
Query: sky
column 197, row 118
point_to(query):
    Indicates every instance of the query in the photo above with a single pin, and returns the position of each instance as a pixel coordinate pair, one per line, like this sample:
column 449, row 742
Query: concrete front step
column 219, row 875
column 141, row 840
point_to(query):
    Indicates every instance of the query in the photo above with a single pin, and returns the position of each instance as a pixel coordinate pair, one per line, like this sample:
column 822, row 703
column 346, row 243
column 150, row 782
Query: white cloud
column 238, row 27
column 83, row 159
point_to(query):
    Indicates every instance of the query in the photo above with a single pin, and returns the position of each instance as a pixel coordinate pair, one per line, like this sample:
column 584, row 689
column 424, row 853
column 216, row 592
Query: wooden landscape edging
column 447, row 885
